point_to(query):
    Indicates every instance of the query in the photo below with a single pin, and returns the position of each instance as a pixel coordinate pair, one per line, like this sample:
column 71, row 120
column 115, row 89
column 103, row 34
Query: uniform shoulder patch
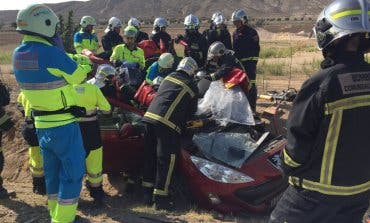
column 352, row 83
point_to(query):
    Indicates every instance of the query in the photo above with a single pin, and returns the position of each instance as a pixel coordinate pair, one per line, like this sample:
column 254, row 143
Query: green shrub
column 276, row 52
column 273, row 69
column 5, row 57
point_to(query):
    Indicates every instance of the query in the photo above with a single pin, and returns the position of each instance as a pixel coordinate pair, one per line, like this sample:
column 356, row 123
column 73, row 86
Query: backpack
column 4, row 94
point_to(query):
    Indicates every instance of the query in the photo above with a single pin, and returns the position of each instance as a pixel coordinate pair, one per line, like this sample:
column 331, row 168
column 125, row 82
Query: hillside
column 104, row 9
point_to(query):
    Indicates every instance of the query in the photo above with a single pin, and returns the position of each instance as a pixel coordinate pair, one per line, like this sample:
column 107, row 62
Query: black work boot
column 4, row 194
column 163, row 203
column 147, row 195
column 98, row 194
column 130, row 186
column 39, row 186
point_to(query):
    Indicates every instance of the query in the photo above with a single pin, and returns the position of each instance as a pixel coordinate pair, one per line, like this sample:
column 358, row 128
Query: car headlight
column 219, row 173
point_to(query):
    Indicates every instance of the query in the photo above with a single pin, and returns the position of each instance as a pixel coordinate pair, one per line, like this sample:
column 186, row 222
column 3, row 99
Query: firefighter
column 35, row 158
column 46, row 81
column 160, row 36
column 218, row 31
column 6, row 128
column 93, row 100
column 220, row 61
column 327, row 156
column 247, row 49
column 103, row 80
column 112, row 36
column 140, row 34
column 86, row 38
column 161, row 68
column 128, row 51
column 174, row 104
column 196, row 43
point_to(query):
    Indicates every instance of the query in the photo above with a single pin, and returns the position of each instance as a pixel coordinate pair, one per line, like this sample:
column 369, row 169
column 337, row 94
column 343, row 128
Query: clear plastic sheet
column 226, row 105
column 228, row 147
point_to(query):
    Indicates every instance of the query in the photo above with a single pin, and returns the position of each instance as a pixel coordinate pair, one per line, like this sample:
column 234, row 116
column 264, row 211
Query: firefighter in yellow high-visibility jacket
column 29, row 135
column 90, row 97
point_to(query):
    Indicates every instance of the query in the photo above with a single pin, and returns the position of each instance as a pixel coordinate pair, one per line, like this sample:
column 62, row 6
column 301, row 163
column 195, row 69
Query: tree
column 70, row 29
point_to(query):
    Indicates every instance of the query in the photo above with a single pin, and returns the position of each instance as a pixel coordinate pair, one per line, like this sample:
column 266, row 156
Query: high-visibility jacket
column 175, row 103
column 328, row 130
column 24, row 105
column 90, row 97
column 121, row 52
column 83, row 40
column 45, row 75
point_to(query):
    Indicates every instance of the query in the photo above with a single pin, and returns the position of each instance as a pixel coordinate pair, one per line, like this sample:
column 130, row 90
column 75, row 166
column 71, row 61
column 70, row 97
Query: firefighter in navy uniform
column 218, row 31
column 247, row 49
column 220, row 61
column 7, row 127
column 159, row 34
column 327, row 155
column 175, row 103
column 197, row 44
column 112, row 36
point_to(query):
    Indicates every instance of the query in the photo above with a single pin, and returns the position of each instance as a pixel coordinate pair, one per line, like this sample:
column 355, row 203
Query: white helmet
column 216, row 49
column 166, row 60
column 37, row 19
column 191, row 22
column 160, row 22
column 134, row 22
column 86, row 21
column 114, row 22
column 217, row 13
column 341, row 18
column 106, row 70
column 220, row 19
column 103, row 71
column 239, row 15
column 188, row 65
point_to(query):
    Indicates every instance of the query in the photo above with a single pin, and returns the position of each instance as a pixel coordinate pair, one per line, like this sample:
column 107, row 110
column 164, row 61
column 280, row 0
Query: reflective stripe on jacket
column 175, row 103
column 82, row 40
column 45, row 75
column 90, row 97
column 121, row 52
column 328, row 131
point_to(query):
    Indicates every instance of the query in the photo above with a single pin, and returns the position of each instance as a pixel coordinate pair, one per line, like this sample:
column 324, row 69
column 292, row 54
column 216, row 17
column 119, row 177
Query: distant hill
column 176, row 9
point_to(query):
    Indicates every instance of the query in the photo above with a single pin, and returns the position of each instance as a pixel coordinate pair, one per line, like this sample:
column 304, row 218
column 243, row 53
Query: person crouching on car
column 90, row 97
column 175, row 103
column 161, row 68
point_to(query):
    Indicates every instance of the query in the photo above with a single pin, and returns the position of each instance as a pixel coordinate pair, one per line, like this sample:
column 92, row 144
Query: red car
column 254, row 187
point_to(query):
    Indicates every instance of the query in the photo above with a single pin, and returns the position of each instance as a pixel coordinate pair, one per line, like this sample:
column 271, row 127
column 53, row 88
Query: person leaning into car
column 327, row 154
column 175, row 103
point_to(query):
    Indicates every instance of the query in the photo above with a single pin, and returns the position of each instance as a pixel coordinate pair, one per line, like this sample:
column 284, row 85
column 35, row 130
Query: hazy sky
column 19, row 4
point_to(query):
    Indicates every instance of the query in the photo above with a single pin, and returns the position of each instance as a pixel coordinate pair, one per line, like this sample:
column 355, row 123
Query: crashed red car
column 254, row 187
